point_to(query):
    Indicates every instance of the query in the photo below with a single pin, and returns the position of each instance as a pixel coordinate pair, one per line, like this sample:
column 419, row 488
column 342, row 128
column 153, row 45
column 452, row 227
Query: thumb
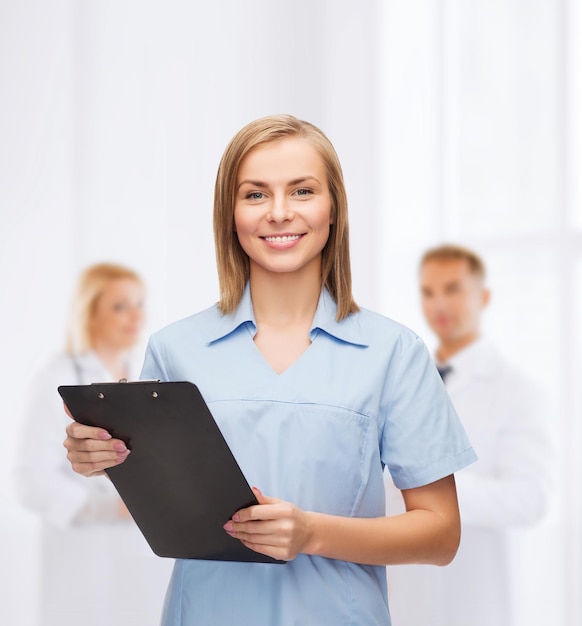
column 262, row 499
column 67, row 411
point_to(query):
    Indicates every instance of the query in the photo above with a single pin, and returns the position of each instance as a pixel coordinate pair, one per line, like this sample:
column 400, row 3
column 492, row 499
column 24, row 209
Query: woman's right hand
column 92, row 450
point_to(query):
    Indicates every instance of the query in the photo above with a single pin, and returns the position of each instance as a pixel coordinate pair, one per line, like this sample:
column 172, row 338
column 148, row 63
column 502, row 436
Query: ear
column 485, row 298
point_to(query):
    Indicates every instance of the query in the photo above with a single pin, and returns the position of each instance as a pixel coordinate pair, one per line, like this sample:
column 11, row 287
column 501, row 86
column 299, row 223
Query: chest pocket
column 322, row 458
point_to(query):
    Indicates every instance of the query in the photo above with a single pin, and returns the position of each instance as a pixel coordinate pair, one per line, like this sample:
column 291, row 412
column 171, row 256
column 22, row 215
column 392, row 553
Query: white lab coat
column 508, row 488
column 97, row 570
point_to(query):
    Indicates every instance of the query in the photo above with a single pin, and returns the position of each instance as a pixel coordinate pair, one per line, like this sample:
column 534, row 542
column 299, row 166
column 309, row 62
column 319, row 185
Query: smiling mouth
column 282, row 238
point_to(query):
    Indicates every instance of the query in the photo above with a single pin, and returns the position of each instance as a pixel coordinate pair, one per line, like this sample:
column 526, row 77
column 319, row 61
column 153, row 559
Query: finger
column 74, row 444
column 263, row 499
column 93, row 469
column 86, row 452
column 255, row 511
column 91, row 463
column 280, row 554
column 67, row 411
column 96, row 456
column 275, row 511
column 248, row 530
column 276, row 533
column 81, row 431
column 260, row 540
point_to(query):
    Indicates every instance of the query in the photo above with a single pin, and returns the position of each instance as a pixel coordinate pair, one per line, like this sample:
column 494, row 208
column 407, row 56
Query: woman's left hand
column 273, row 527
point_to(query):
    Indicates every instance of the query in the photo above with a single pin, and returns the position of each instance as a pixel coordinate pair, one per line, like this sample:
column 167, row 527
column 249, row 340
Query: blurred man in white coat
column 507, row 488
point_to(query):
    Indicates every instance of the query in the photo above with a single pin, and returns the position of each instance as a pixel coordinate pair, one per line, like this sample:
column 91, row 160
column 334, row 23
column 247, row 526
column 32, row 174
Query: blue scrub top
column 365, row 394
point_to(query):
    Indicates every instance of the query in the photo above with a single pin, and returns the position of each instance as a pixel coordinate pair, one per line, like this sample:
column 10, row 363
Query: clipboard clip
column 129, row 382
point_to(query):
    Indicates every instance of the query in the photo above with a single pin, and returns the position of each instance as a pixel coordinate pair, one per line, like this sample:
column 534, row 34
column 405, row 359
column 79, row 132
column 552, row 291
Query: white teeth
column 284, row 238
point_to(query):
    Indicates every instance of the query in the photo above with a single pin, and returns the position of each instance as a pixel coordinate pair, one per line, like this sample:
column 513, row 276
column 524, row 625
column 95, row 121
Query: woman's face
column 118, row 316
column 282, row 210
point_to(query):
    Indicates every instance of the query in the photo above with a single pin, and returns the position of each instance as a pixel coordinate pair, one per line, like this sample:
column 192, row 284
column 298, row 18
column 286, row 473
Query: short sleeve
column 153, row 366
column 423, row 439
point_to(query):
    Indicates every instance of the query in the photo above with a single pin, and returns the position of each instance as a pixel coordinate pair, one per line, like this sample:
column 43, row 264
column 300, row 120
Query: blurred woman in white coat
column 508, row 489
column 85, row 520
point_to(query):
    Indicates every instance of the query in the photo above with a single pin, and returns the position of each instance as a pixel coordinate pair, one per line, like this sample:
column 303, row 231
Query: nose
column 279, row 209
column 439, row 305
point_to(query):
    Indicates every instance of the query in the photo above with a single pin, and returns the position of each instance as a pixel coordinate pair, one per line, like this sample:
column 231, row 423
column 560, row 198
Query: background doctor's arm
column 511, row 484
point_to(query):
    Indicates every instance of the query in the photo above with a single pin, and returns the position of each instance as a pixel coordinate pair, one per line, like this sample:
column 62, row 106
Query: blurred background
column 454, row 121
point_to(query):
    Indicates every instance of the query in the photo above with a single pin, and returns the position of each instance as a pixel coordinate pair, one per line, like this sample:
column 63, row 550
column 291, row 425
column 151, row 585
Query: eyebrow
column 262, row 185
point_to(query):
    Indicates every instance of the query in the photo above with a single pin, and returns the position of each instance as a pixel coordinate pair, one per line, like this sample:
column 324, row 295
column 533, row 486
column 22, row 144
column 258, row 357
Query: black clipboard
column 181, row 482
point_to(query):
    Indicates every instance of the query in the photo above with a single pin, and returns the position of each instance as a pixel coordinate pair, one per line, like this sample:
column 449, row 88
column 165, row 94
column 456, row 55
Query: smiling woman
column 282, row 211
column 314, row 396
column 232, row 260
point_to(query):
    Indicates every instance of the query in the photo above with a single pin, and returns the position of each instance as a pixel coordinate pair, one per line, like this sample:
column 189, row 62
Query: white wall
column 36, row 260
column 452, row 120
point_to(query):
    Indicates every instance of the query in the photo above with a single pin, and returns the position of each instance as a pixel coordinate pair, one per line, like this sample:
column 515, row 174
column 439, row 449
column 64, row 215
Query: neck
column 285, row 298
column 449, row 347
column 114, row 360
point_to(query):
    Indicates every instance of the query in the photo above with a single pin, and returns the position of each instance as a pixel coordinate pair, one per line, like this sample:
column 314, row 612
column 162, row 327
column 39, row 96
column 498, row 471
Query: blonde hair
column 90, row 286
column 232, row 261
column 453, row 252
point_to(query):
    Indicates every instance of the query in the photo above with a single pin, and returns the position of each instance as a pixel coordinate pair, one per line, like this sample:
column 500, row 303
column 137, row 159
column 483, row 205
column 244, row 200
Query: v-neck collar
column 347, row 330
